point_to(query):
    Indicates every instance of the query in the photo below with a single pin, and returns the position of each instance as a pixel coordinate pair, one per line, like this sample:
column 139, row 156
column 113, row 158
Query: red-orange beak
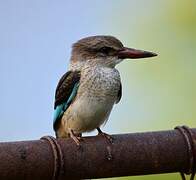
column 134, row 53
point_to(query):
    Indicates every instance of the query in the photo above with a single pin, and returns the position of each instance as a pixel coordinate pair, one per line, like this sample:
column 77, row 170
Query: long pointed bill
column 134, row 53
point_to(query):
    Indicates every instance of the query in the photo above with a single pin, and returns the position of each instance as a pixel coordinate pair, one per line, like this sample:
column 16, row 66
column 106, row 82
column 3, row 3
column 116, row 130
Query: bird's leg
column 75, row 137
column 79, row 135
column 107, row 136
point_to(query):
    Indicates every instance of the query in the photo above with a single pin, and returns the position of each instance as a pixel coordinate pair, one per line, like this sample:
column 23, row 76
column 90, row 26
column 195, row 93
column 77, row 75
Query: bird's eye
column 105, row 50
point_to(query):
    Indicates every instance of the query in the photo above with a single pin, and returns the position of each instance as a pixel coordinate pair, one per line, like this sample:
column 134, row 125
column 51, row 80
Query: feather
column 66, row 91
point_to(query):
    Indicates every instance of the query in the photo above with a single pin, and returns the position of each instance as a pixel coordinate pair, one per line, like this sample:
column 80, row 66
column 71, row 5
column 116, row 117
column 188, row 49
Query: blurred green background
column 158, row 93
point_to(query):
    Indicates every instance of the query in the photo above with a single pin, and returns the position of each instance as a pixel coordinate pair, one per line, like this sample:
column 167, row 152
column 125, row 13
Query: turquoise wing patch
column 60, row 109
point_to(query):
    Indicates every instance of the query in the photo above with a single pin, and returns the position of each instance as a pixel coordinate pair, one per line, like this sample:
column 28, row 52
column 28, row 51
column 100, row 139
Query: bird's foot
column 110, row 139
column 107, row 136
column 76, row 137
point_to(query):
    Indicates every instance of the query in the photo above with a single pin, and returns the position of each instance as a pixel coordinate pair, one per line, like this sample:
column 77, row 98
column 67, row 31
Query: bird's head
column 105, row 51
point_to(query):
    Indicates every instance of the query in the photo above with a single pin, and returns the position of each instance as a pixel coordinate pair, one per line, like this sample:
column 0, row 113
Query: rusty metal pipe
column 130, row 154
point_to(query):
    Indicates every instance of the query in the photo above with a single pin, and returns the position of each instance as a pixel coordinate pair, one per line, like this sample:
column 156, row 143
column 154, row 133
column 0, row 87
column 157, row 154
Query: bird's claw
column 77, row 138
column 107, row 136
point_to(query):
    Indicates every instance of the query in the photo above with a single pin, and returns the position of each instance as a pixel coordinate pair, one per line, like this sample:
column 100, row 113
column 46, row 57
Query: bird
column 87, row 92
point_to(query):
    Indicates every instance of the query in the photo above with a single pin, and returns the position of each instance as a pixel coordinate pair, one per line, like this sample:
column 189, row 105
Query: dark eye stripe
column 105, row 50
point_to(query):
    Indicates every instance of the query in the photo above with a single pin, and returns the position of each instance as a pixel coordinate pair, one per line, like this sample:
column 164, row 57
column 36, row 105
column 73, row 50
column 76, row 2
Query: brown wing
column 65, row 87
column 65, row 93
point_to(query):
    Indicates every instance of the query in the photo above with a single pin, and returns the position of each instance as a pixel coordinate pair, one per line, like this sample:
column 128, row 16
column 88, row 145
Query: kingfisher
column 87, row 92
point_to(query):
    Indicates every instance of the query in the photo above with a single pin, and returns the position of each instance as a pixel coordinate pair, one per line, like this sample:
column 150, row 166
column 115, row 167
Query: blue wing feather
column 60, row 109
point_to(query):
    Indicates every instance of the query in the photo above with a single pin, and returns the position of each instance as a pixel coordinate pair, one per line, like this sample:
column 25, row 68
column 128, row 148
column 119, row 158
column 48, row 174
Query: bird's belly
column 87, row 114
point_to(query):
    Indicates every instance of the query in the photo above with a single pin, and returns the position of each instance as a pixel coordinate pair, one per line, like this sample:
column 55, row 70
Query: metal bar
column 130, row 154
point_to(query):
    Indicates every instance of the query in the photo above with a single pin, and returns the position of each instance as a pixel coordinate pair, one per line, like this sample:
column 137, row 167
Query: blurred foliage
column 161, row 92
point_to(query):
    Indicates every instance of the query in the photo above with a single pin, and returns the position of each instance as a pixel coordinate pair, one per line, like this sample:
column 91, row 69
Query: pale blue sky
column 35, row 41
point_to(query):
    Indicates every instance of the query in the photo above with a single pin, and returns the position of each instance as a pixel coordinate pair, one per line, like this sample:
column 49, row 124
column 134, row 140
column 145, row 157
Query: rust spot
column 109, row 155
column 23, row 153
